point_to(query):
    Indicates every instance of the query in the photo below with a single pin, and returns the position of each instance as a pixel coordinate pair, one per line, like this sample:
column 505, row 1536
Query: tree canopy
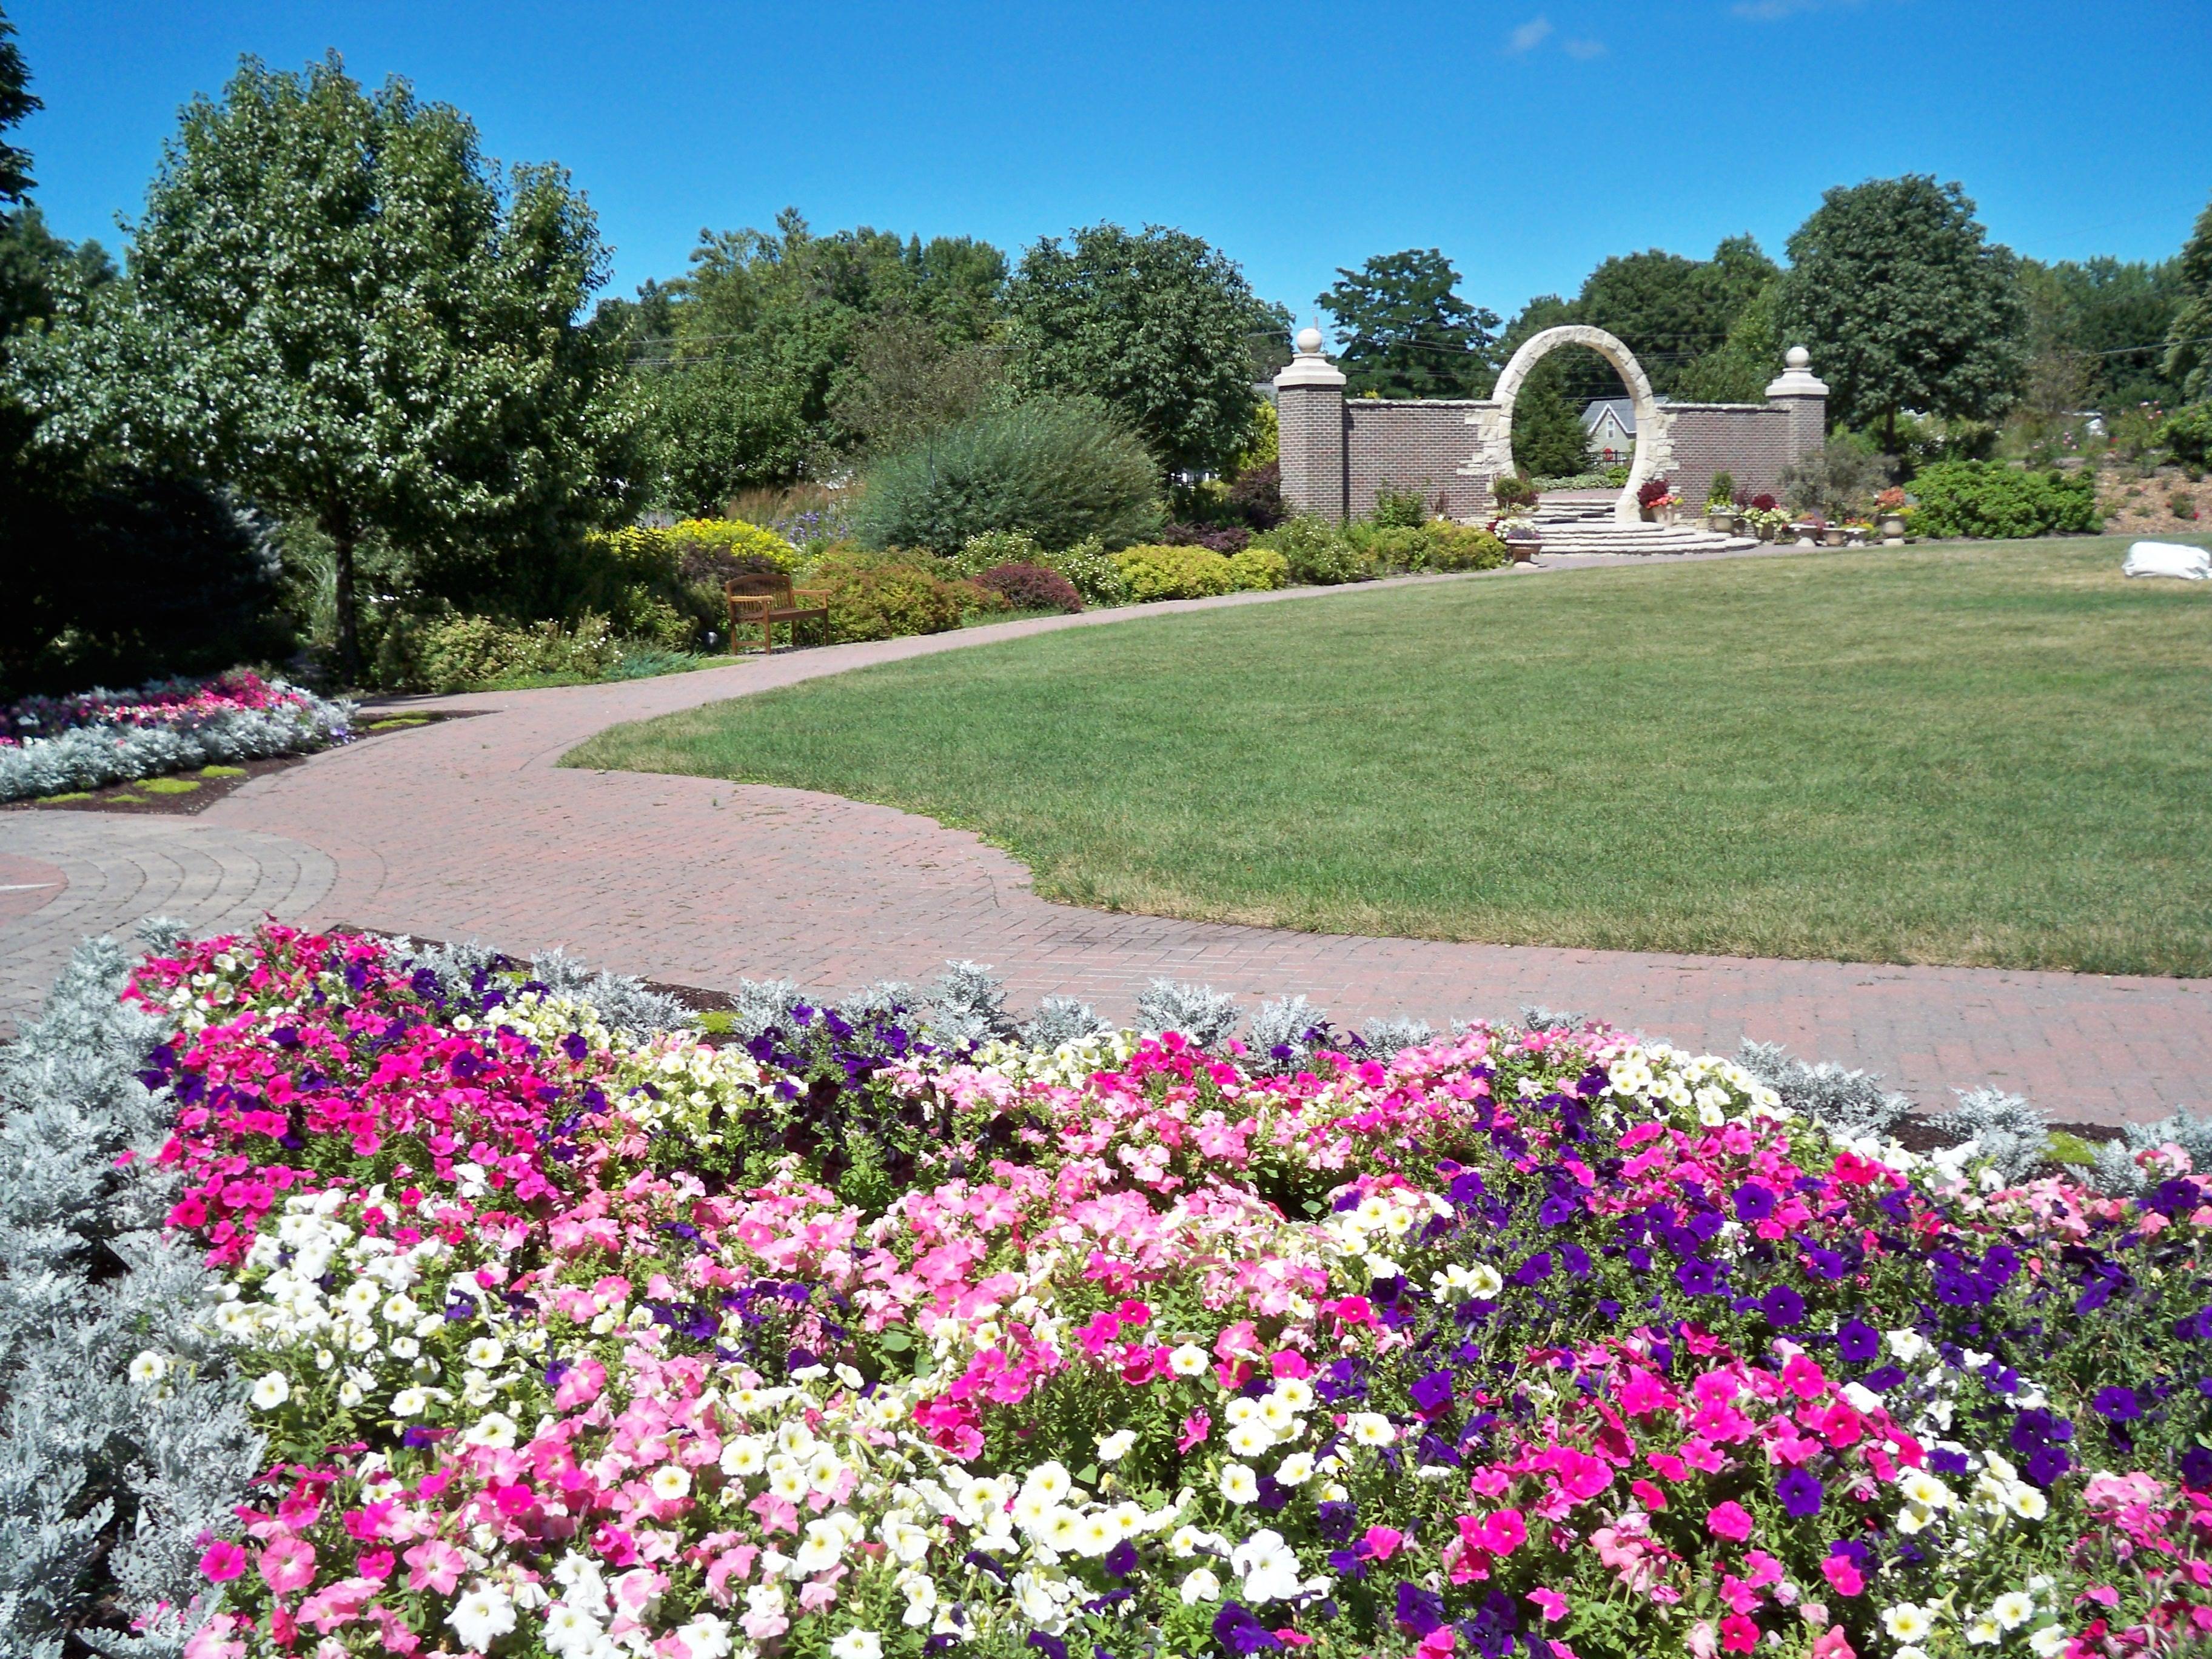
column 339, row 308
column 1406, row 333
column 1156, row 323
column 2189, row 337
column 16, row 101
column 1904, row 302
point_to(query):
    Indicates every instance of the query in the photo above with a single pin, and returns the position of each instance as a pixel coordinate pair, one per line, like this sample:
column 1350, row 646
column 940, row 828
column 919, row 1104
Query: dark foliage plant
column 1214, row 538
column 1256, row 496
column 1031, row 588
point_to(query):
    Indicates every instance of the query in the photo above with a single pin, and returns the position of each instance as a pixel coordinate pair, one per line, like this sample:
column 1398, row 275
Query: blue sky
column 1527, row 140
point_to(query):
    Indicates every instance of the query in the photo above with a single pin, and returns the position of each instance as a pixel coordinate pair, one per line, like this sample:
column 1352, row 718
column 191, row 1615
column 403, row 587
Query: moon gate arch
column 1655, row 449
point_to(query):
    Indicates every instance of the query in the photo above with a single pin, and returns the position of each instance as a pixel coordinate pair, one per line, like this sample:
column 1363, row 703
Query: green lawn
column 1985, row 753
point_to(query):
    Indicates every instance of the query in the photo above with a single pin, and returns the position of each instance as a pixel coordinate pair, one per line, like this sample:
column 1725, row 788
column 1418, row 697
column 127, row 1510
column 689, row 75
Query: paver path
column 469, row 828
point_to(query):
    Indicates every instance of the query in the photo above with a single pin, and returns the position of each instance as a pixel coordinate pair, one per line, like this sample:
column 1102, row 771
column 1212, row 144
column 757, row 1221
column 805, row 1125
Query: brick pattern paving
column 469, row 828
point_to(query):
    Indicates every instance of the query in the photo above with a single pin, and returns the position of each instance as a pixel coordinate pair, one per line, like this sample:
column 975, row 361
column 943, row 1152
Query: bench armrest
column 822, row 593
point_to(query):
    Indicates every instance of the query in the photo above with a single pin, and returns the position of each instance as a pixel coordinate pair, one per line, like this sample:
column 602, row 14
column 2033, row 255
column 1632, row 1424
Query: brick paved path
column 468, row 828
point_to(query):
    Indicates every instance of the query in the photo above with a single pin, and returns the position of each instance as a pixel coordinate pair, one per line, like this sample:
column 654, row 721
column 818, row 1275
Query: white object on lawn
column 2192, row 564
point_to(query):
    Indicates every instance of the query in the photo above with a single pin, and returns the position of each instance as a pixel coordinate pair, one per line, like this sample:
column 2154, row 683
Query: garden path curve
column 470, row 828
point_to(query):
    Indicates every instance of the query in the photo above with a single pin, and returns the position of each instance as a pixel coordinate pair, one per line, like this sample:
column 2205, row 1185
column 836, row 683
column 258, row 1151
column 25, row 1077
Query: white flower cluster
column 1910, row 1624
column 1715, row 1090
column 1384, row 1218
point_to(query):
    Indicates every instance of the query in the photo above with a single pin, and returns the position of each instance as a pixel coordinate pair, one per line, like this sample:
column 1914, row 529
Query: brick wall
column 1410, row 445
column 1752, row 442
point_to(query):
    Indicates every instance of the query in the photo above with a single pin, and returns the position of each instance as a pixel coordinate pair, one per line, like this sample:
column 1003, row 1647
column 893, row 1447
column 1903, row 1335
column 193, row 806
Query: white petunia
column 1200, row 1585
column 410, row 1402
column 744, row 1454
column 1907, row 1621
column 1187, row 1360
column 706, row 1637
column 2013, row 1609
column 1250, row 1439
column 1297, row 1470
column 271, row 1391
column 484, row 1353
column 481, row 1616
column 1371, row 1429
column 2049, row 1641
column 2026, row 1502
column 857, row 1644
column 1239, row 1484
column 670, row 1482
column 1982, row 1631
column 494, row 1430
column 1113, row 1447
column 149, row 1367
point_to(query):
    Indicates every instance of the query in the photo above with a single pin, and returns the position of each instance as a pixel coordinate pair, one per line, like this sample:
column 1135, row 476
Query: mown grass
column 1994, row 754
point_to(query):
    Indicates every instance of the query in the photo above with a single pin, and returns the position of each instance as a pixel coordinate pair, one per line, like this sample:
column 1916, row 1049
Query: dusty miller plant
column 2005, row 1130
column 2116, row 1169
column 1062, row 1020
column 1285, row 1034
column 968, row 1006
column 1208, row 1017
column 1851, row 1103
column 105, row 1482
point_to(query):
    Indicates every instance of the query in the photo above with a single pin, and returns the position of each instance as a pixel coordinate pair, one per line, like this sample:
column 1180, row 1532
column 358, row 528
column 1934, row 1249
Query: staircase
column 1582, row 521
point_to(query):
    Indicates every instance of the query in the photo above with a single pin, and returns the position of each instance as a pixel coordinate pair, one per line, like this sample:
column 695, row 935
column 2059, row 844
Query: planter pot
column 1804, row 535
column 1648, row 514
column 1524, row 552
column 1832, row 536
column 1893, row 529
column 1721, row 523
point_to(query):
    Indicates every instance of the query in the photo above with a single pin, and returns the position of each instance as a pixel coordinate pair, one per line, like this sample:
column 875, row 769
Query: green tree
column 16, row 101
column 339, row 308
column 2189, row 337
column 1671, row 311
column 1751, row 356
column 1405, row 331
column 1549, row 439
column 1904, row 303
column 1158, row 323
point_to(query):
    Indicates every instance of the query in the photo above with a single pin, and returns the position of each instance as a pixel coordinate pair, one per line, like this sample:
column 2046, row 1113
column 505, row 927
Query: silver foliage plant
column 624, row 1002
column 105, row 1482
column 2116, row 1169
column 1063, row 1019
column 1208, row 1017
column 1851, row 1103
column 92, row 756
column 968, row 1006
column 2005, row 1130
column 1285, row 1034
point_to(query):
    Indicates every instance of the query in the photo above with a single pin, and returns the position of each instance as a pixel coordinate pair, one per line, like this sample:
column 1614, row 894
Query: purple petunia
column 1753, row 1202
column 1782, row 1306
column 2115, row 1405
column 1799, row 1494
column 1857, row 1341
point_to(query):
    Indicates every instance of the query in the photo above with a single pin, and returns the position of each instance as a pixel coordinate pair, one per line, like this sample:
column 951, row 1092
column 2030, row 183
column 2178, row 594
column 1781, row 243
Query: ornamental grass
column 879, row 1329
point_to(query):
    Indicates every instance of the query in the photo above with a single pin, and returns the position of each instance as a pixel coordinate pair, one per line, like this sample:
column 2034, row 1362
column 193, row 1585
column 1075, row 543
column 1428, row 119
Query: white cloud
column 1530, row 35
column 1582, row 51
column 1769, row 11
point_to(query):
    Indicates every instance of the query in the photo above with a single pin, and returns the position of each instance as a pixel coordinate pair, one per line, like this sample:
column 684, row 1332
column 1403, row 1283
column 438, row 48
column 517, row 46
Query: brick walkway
column 469, row 828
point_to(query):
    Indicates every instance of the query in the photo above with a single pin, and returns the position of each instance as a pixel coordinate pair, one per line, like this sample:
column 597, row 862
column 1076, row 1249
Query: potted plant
column 1890, row 505
column 1720, row 505
column 1519, row 533
column 1856, row 532
column 1808, row 530
column 1657, row 501
column 1514, row 493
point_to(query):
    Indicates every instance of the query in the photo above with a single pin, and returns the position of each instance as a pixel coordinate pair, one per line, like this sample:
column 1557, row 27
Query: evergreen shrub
column 1983, row 498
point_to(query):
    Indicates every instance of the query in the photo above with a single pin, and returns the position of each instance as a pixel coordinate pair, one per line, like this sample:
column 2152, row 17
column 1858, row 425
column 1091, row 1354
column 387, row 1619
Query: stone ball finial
column 1798, row 357
column 1308, row 342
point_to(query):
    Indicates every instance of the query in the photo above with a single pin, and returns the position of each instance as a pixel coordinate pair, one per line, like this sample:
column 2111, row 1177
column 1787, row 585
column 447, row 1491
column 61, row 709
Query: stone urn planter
column 1834, row 536
column 1804, row 535
column 1893, row 529
column 1721, row 523
column 1524, row 549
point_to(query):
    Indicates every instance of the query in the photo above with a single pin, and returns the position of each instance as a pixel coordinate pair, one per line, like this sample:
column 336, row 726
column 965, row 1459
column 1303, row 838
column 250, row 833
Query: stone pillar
column 1804, row 400
column 1310, row 410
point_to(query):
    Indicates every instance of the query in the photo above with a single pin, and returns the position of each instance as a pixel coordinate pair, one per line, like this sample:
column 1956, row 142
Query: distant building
column 1610, row 424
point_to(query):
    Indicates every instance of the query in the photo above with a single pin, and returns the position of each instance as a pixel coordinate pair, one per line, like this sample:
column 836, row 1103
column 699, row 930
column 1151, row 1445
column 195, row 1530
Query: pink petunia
column 1549, row 1603
column 1729, row 1519
column 434, row 1565
column 222, row 1561
column 288, row 1564
column 1843, row 1575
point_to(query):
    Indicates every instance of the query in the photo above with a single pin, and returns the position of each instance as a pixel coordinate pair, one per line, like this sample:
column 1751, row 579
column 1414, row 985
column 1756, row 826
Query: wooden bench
column 767, row 597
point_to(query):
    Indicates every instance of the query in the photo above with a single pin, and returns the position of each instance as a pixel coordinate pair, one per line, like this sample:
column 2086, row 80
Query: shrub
column 1174, row 572
column 2188, row 433
column 1399, row 509
column 1463, row 547
column 1256, row 496
column 1031, row 588
column 1837, row 480
column 1059, row 469
column 1091, row 568
column 1258, row 569
column 1387, row 548
column 1721, row 491
column 1215, row 538
column 2181, row 504
column 888, row 598
column 1512, row 491
column 994, row 548
column 460, row 653
column 1983, row 498
column 1316, row 552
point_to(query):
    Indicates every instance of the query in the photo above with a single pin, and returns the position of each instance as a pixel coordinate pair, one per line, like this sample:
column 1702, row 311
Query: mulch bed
column 185, row 793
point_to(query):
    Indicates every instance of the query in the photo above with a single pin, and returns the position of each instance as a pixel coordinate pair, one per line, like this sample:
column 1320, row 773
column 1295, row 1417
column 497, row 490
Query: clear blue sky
column 1527, row 140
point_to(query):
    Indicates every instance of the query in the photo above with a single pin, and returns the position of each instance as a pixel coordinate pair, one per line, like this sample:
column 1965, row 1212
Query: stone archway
column 1493, row 421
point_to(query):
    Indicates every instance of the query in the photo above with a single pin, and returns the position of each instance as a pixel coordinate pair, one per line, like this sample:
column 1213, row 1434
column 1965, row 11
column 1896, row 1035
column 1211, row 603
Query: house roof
column 1623, row 410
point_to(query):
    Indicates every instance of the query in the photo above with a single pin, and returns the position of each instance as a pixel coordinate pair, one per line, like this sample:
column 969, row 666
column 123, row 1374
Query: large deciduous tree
column 1158, row 323
column 1904, row 303
column 16, row 101
column 338, row 307
column 2188, row 337
column 1404, row 332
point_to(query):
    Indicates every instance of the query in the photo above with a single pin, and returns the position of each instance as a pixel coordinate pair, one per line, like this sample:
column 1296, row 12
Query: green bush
column 459, row 653
column 1316, row 552
column 2188, row 433
column 1399, row 509
column 1175, row 573
column 1091, row 568
column 888, row 598
column 994, row 548
column 1981, row 498
column 1258, row 569
column 1386, row 548
column 1463, row 547
column 1057, row 469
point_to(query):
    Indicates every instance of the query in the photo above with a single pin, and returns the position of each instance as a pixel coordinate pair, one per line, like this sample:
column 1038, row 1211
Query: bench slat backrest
column 774, row 584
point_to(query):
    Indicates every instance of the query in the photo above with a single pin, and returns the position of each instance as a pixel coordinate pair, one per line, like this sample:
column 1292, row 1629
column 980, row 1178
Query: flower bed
column 879, row 1329
column 53, row 744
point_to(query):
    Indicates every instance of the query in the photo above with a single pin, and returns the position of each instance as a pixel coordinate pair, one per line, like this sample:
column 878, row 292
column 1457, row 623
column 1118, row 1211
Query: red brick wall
column 1751, row 441
column 1411, row 445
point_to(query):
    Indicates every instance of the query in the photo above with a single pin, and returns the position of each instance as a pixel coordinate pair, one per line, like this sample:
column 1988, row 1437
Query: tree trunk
column 341, row 531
